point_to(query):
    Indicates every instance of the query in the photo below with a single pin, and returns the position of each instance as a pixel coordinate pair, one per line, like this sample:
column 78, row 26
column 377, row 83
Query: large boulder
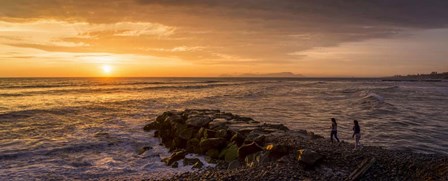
column 176, row 156
column 193, row 146
column 198, row 121
column 230, row 153
column 218, row 123
column 152, row 126
column 308, row 157
column 211, row 143
column 277, row 151
column 237, row 138
column 248, row 149
column 256, row 159
column 213, row 153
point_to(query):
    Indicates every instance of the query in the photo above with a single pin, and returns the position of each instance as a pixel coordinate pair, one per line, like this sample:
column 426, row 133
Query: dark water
column 80, row 128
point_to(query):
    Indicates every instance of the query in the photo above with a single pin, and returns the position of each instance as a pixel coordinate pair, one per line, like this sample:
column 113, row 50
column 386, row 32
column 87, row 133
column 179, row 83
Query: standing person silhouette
column 334, row 129
column 356, row 134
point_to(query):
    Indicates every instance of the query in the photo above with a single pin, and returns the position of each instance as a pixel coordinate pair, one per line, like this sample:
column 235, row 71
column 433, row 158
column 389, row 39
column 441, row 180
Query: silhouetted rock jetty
column 245, row 149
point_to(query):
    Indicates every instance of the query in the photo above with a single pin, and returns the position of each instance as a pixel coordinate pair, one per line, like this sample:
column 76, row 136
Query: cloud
column 227, row 32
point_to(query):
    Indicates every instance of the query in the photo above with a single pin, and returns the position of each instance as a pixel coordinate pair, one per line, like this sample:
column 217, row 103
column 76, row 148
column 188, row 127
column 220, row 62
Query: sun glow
column 107, row 69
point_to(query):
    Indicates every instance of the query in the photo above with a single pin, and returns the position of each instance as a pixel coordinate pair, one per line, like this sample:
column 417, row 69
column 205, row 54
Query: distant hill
column 277, row 74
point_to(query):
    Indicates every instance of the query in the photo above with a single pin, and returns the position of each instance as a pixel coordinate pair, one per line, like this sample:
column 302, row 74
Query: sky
column 169, row 38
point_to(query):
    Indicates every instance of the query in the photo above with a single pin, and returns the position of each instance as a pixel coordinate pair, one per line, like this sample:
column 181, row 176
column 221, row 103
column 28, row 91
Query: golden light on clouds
column 194, row 38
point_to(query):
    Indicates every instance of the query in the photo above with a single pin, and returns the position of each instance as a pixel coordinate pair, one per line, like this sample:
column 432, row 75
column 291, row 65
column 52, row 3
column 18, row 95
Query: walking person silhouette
column 334, row 129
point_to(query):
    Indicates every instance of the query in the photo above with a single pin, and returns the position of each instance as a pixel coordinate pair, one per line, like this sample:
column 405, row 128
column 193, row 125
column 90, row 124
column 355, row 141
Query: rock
column 152, row 126
column 193, row 146
column 246, row 131
column 211, row 143
column 255, row 137
column 175, row 118
column 230, row 153
column 314, row 136
column 309, row 157
column 256, row 159
column 209, row 133
column 248, row 149
column 178, row 143
column 234, row 164
column 276, row 126
column 245, row 119
column 198, row 165
column 226, row 116
column 191, row 161
column 175, row 165
column 237, row 138
column 143, row 150
column 218, row 123
column 213, row 153
column 182, row 131
column 278, row 151
column 156, row 133
column 198, row 121
column 176, row 156
column 222, row 133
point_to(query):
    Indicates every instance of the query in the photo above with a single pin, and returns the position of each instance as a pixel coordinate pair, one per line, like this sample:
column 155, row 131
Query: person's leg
column 336, row 135
column 331, row 136
column 357, row 137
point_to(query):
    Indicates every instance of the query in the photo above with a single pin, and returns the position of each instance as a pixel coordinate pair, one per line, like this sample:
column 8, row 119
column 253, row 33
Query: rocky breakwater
column 245, row 149
column 230, row 140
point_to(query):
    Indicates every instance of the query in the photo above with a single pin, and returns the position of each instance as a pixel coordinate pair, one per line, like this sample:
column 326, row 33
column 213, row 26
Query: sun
column 107, row 69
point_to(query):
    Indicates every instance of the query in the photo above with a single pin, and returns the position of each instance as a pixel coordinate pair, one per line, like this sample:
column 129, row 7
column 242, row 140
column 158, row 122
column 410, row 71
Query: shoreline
column 335, row 161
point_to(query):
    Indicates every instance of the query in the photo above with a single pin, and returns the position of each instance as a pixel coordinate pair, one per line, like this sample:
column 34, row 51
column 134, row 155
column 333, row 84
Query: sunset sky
column 83, row 38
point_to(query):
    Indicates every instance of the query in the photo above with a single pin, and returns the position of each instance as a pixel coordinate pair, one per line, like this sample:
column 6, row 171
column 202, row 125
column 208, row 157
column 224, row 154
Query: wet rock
column 213, row 153
column 256, row 159
column 198, row 121
column 193, row 146
column 226, row 116
column 152, row 126
column 191, row 161
column 176, row 156
column 143, row 149
column 175, row 165
column 278, row 151
column 209, row 133
column 182, row 131
column 276, row 126
column 255, row 137
column 198, row 165
column 309, row 157
column 234, row 164
column 222, row 133
column 218, row 123
column 248, row 149
column 237, row 138
column 230, row 152
column 211, row 143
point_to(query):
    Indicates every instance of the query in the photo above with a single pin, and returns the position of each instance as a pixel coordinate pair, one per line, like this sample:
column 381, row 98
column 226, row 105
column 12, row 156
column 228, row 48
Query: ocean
column 88, row 128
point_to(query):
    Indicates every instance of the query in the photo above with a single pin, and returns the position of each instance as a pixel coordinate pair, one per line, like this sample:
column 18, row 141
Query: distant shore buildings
column 432, row 75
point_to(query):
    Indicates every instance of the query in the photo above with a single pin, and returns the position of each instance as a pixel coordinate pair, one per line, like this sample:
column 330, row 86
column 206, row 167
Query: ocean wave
column 12, row 95
column 94, row 83
column 373, row 97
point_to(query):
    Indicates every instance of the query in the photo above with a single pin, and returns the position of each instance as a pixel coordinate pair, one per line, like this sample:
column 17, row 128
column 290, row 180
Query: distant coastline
column 431, row 77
